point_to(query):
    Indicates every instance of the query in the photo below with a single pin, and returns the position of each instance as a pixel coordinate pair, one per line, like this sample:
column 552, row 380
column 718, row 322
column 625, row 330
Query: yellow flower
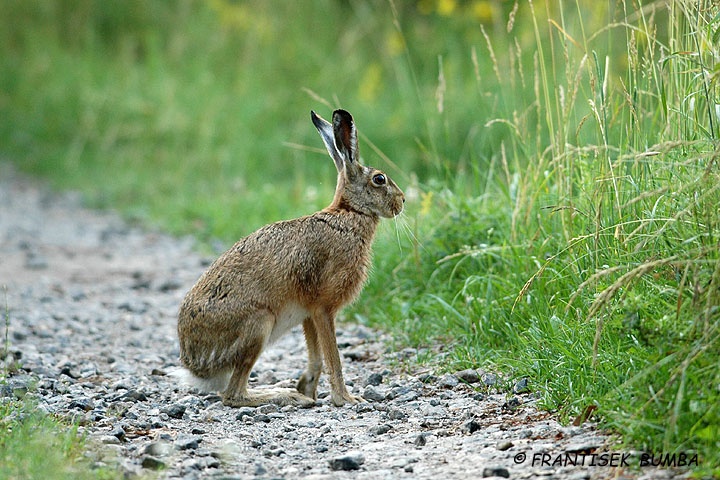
column 371, row 83
column 446, row 7
column 426, row 201
column 483, row 11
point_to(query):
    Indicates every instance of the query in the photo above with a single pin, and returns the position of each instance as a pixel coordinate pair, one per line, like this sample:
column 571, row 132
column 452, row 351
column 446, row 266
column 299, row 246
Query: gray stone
column 380, row 429
column 471, row 427
column 158, row 449
column 504, row 445
column 350, row 461
column 152, row 463
column 468, row 376
column 374, row 379
column 83, row 403
column 448, row 381
column 521, row 386
column 489, row 379
column 496, row 471
column 187, row 442
column 118, row 432
column 244, row 412
column 373, row 394
column 175, row 410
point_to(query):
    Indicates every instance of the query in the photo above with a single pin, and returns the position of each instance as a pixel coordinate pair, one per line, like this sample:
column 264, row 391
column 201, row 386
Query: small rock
column 351, row 461
column 158, row 449
column 109, row 440
column 489, row 379
column 175, row 410
column 134, row 395
column 261, row 417
column 521, row 386
column 380, row 429
column 187, row 442
column 84, row 404
column 583, row 447
column 468, row 376
column 506, row 445
column 448, row 381
column 396, row 414
column 408, row 397
column 471, row 427
column 374, row 379
column 118, row 432
column 512, row 403
column 420, row 440
column 373, row 394
column 495, row 472
column 204, row 462
column 152, row 463
column 427, row 378
column 244, row 412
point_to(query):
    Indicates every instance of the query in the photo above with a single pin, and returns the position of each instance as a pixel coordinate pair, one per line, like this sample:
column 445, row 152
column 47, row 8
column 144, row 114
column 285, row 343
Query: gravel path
column 92, row 307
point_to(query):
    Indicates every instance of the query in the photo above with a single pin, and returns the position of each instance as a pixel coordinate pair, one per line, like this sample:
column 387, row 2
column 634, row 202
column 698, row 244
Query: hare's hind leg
column 307, row 385
column 237, row 393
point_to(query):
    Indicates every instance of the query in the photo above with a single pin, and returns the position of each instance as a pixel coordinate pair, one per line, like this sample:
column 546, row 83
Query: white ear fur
column 325, row 129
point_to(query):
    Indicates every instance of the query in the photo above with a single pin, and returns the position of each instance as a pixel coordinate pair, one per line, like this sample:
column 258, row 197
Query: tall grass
column 559, row 159
column 591, row 263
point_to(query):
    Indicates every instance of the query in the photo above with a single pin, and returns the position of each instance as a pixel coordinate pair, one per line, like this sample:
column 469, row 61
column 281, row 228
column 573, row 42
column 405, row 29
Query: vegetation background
column 560, row 160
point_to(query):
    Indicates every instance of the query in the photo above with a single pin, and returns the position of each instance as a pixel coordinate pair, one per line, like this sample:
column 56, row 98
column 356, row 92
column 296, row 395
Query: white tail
column 218, row 383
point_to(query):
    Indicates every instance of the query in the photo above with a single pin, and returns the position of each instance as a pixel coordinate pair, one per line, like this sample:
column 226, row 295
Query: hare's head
column 359, row 188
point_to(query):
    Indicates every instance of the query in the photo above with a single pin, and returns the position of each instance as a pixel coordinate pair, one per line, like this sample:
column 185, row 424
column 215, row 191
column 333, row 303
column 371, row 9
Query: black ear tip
column 343, row 115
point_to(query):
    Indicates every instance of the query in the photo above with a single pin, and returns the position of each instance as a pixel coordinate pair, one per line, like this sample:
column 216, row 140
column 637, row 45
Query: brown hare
column 300, row 271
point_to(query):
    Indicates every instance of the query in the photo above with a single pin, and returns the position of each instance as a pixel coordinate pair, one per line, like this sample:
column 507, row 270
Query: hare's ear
column 325, row 129
column 340, row 138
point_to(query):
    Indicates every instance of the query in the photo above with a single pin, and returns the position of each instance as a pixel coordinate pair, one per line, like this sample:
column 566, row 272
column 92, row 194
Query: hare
column 300, row 271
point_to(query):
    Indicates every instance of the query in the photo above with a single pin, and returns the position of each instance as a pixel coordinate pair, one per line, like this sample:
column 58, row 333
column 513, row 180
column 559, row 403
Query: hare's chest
column 292, row 315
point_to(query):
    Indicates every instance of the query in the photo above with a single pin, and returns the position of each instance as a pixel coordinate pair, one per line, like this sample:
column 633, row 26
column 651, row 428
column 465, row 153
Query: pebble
column 521, row 386
column 505, row 445
column 448, row 381
column 374, row 379
column 471, row 427
column 468, row 376
column 373, row 394
column 187, row 442
column 351, row 461
column 152, row 463
column 496, row 471
column 92, row 325
column 381, row 429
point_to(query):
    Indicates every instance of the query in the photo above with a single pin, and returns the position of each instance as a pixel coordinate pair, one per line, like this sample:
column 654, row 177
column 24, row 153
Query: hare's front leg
column 308, row 382
column 325, row 326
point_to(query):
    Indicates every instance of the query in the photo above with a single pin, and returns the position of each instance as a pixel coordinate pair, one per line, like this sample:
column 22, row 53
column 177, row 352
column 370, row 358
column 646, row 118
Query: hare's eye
column 379, row 179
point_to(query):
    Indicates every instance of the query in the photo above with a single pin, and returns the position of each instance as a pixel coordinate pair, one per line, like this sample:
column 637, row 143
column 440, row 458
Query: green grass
column 559, row 159
column 33, row 445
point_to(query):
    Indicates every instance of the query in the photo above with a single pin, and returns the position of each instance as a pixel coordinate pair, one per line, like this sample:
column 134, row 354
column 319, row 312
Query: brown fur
column 300, row 271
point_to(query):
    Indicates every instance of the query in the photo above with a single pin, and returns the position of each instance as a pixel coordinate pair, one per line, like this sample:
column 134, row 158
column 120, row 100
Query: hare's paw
column 307, row 385
column 279, row 396
column 341, row 398
column 296, row 399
